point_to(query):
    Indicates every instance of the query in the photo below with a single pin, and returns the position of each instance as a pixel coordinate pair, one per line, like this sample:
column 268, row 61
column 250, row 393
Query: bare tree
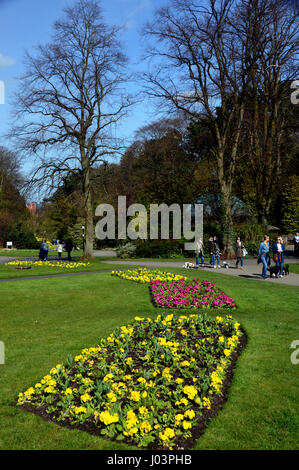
column 70, row 100
column 210, row 61
column 202, row 75
column 270, row 116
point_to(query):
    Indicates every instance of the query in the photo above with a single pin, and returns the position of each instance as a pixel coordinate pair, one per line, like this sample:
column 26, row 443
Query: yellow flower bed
column 145, row 383
column 51, row 264
column 145, row 276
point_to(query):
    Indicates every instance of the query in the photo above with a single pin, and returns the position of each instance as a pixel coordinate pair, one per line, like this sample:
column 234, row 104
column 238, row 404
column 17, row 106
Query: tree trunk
column 89, row 235
column 226, row 217
column 89, row 228
column 227, row 223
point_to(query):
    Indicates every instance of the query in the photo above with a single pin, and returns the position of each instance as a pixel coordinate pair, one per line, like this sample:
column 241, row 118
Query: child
column 59, row 249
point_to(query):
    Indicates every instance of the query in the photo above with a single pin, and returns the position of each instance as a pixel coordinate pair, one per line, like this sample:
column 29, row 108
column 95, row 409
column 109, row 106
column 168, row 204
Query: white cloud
column 134, row 12
column 6, row 61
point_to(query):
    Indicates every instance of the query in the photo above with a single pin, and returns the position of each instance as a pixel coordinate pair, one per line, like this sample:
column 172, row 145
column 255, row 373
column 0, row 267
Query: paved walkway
column 251, row 270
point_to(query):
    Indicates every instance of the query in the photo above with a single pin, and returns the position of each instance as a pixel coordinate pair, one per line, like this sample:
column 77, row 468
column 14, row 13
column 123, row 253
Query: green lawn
column 294, row 268
column 30, row 253
column 42, row 321
column 96, row 264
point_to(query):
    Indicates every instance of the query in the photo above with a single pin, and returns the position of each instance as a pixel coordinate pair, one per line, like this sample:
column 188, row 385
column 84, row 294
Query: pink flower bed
column 189, row 294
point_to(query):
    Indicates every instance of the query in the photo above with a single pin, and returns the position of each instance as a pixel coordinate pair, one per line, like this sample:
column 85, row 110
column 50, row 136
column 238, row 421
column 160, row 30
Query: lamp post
column 83, row 236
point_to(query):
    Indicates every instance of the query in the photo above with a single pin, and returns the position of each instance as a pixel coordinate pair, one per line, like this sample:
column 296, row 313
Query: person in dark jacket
column 215, row 252
column 44, row 251
column 210, row 248
column 278, row 254
column 68, row 248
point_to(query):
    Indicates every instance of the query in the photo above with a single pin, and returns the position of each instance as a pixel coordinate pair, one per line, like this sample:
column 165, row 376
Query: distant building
column 32, row 207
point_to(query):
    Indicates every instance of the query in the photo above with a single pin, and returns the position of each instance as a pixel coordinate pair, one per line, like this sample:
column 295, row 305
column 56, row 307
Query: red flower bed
column 189, row 294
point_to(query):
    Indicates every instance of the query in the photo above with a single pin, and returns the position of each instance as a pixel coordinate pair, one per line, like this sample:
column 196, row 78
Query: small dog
column 286, row 270
column 225, row 265
column 274, row 271
column 188, row 265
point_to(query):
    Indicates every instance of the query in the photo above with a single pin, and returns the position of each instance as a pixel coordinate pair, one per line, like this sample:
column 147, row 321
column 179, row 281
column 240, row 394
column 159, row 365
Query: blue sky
column 26, row 23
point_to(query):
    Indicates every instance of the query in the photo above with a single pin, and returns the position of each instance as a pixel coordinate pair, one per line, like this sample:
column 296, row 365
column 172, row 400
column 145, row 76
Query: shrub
column 290, row 205
column 126, row 251
column 159, row 248
column 251, row 235
column 252, row 248
column 22, row 237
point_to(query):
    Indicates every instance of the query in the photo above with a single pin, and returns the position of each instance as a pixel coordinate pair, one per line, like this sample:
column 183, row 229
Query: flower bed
column 154, row 383
column 144, row 276
column 189, row 294
column 51, row 264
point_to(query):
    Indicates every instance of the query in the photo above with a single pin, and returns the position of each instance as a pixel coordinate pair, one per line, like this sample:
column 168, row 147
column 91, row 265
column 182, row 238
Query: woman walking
column 210, row 249
column 278, row 254
column 215, row 252
column 239, row 253
column 263, row 255
column 199, row 252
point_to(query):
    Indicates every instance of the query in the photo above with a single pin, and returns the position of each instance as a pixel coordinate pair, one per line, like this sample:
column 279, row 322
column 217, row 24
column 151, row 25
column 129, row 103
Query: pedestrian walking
column 68, row 248
column 199, row 252
column 45, row 250
column 263, row 255
column 239, row 253
column 210, row 248
column 278, row 254
column 215, row 252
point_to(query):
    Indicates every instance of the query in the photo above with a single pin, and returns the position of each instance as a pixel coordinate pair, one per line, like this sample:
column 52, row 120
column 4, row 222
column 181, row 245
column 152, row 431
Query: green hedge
column 22, row 238
column 159, row 248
